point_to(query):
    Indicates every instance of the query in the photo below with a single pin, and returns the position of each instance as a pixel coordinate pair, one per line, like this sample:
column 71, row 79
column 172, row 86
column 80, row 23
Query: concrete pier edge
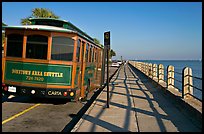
column 186, row 107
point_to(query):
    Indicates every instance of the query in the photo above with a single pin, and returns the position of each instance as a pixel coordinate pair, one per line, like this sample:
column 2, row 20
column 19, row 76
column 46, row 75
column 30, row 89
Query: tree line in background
column 45, row 13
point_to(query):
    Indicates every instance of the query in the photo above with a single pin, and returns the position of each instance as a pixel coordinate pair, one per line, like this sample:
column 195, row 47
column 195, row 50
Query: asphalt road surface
column 25, row 114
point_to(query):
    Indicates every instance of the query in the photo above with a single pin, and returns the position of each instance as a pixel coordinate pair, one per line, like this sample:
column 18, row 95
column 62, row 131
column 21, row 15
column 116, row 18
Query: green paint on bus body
column 89, row 73
column 38, row 73
column 77, row 75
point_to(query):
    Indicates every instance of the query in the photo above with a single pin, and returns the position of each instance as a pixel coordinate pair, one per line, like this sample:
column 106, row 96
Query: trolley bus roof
column 51, row 24
column 58, row 23
column 41, row 27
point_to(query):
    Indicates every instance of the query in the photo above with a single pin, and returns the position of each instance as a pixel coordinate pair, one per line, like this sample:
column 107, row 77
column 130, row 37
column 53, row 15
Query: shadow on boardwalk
column 137, row 96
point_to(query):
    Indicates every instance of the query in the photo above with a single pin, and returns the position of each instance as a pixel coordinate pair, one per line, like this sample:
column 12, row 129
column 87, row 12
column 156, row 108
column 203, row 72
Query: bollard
column 187, row 80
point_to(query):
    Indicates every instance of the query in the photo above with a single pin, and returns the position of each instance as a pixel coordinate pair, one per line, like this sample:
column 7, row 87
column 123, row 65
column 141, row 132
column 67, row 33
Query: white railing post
column 154, row 73
column 143, row 66
column 170, row 76
column 150, row 70
column 187, row 80
column 136, row 64
column 146, row 69
column 140, row 66
column 161, row 73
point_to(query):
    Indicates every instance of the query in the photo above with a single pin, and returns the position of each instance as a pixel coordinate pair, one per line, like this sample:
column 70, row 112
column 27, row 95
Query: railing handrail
column 195, row 87
column 149, row 68
column 195, row 77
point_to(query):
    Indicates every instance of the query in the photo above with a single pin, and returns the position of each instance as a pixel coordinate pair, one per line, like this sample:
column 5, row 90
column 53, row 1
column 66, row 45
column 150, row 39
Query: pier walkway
column 136, row 105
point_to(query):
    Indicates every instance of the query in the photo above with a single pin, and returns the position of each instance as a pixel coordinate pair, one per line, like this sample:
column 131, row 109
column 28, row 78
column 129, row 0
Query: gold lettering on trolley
column 53, row 74
column 24, row 72
column 37, row 73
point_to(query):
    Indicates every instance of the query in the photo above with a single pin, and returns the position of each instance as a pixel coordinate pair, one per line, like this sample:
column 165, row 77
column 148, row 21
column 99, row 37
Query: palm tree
column 112, row 53
column 43, row 13
column 39, row 13
column 25, row 21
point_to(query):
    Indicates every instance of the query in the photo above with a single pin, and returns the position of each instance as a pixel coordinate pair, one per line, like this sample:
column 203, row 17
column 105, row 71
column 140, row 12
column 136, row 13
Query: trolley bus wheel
column 82, row 99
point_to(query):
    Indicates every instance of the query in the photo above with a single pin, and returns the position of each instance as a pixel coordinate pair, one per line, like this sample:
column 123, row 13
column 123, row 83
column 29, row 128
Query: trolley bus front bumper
column 40, row 92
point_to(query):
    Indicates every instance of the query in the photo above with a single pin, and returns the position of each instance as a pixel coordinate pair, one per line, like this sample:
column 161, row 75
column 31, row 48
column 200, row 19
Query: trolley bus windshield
column 37, row 47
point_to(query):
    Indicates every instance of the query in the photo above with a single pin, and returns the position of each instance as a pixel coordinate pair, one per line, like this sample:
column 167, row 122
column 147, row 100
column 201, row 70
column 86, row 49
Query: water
column 195, row 65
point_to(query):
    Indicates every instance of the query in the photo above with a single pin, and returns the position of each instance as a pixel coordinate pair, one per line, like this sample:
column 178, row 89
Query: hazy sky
column 139, row 30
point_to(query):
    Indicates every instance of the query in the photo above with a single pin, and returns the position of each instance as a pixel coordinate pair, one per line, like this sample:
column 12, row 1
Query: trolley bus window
column 14, row 45
column 87, row 51
column 96, row 56
column 90, row 53
column 78, row 50
column 62, row 48
column 36, row 47
column 93, row 49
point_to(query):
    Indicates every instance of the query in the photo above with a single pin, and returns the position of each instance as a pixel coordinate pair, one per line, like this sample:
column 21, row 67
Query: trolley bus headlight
column 33, row 92
column 72, row 94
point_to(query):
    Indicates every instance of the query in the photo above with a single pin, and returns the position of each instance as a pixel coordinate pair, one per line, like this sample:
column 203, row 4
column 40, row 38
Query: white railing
column 156, row 73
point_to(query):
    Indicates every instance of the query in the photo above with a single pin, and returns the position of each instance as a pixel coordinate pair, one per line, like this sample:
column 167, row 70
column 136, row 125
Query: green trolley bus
column 50, row 58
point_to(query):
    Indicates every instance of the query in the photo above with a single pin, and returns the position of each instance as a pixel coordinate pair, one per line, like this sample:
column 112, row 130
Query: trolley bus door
column 82, row 70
